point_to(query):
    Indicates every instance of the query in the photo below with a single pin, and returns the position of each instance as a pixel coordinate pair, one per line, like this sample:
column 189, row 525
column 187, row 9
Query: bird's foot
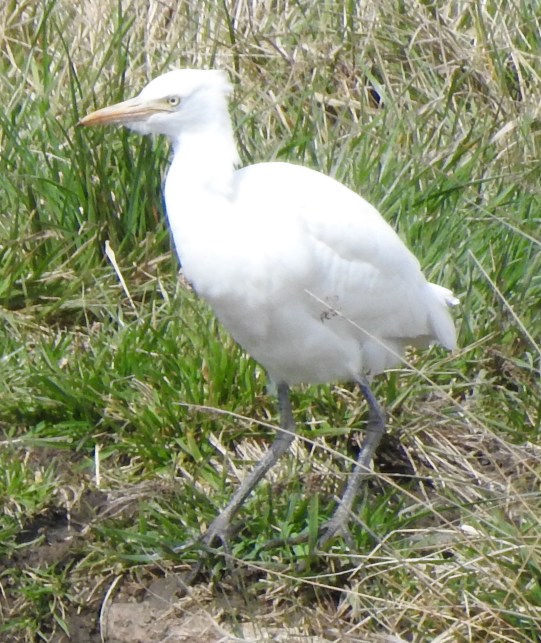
column 337, row 526
column 220, row 529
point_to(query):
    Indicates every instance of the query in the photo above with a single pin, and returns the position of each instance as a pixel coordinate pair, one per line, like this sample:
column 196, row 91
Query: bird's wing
column 345, row 255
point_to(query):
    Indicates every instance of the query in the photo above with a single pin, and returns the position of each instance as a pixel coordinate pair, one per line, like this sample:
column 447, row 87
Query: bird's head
column 180, row 100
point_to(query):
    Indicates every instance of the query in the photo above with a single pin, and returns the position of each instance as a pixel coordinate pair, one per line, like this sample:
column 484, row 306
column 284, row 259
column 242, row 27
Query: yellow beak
column 129, row 111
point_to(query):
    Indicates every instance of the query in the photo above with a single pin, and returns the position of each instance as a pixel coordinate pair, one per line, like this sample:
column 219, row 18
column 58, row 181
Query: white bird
column 305, row 274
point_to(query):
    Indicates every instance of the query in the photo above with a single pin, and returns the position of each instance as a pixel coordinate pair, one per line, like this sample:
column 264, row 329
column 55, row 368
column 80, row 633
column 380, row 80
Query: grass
column 428, row 109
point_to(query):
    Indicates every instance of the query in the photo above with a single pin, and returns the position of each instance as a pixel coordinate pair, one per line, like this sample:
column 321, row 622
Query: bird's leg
column 375, row 429
column 220, row 527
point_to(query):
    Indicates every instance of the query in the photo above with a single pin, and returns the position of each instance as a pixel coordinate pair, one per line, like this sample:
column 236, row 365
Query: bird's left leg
column 375, row 429
column 220, row 527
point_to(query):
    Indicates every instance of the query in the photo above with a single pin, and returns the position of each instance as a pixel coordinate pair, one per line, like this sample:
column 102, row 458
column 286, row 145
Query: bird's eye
column 173, row 101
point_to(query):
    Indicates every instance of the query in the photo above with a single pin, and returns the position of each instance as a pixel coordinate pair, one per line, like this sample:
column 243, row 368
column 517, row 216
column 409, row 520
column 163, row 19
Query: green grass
column 430, row 111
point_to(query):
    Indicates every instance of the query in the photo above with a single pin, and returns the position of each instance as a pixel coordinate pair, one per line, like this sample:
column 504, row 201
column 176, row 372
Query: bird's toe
column 333, row 529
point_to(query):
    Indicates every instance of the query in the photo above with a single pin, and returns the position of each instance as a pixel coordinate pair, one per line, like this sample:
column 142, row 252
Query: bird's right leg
column 220, row 527
column 375, row 429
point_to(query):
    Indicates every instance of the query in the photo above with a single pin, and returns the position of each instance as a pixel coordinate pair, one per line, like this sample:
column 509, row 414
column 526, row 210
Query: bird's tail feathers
column 440, row 318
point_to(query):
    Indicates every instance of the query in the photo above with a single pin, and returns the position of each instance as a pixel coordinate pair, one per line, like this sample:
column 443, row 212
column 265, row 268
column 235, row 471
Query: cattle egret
column 305, row 274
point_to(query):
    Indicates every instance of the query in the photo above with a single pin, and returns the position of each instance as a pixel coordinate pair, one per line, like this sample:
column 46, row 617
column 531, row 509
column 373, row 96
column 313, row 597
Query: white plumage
column 304, row 273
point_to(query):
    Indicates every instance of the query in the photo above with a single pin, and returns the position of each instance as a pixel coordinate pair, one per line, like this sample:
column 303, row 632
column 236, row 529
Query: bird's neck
column 200, row 184
column 205, row 154
column 199, row 190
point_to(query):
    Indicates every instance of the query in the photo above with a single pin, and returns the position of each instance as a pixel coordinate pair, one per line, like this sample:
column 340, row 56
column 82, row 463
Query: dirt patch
column 205, row 614
column 129, row 622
